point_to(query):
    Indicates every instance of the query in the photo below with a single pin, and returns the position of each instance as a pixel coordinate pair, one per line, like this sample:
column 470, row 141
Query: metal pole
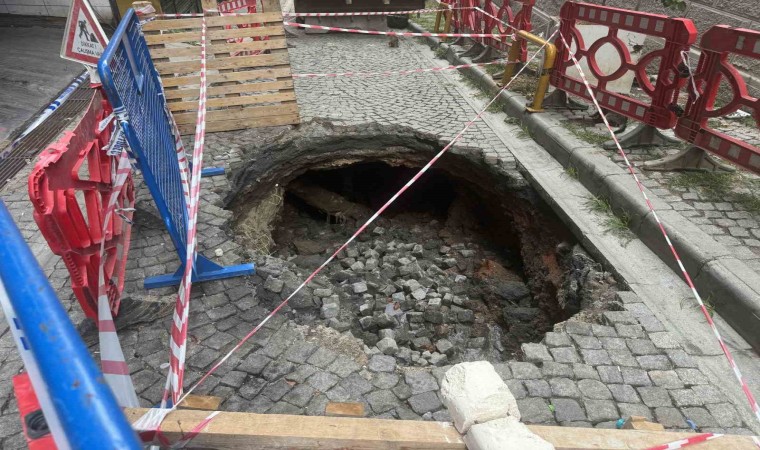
column 85, row 405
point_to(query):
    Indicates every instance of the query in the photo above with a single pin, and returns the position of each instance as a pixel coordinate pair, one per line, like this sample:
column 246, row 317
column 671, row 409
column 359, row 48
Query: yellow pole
column 550, row 52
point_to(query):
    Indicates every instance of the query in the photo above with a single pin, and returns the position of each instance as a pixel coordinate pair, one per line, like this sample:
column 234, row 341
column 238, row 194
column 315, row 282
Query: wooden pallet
column 246, row 87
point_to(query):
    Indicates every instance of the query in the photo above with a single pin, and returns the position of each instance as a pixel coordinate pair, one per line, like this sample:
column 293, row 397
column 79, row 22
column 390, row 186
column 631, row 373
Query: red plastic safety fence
column 246, row 7
column 69, row 189
column 470, row 15
column 718, row 44
column 678, row 34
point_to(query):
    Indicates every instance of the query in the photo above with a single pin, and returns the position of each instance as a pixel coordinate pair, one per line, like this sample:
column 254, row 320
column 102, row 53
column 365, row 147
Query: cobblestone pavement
column 580, row 375
column 724, row 205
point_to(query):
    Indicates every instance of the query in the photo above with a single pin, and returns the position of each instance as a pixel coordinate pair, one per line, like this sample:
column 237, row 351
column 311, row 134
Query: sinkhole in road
column 466, row 265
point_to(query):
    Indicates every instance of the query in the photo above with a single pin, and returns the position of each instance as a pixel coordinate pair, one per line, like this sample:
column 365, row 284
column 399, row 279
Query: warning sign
column 84, row 40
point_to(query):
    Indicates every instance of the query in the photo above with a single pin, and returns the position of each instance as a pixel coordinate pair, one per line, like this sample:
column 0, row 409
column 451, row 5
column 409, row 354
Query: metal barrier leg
column 558, row 99
column 641, row 135
column 205, row 270
column 476, row 49
column 487, row 55
column 693, row 158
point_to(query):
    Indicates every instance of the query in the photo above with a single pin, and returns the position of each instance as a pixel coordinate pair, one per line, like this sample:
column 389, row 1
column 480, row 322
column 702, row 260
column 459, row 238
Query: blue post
column 89, row 414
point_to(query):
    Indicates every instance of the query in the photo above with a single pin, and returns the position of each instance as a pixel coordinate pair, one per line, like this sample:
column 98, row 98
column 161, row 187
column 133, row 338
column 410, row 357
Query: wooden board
column 271, row 431
column 249, row 82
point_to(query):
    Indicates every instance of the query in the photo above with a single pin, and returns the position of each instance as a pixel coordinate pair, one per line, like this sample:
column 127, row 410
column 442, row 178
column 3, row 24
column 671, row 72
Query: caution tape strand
column 359, row 231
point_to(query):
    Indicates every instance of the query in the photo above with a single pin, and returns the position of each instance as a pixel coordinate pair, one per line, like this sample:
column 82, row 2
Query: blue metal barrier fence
column 66, row 375
column 133, row 87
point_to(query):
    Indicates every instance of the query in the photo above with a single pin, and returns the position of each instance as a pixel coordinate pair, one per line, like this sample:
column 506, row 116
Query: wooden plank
column 239, row 124
column 277, row 30
column 201, row 402
column 283, row 96
column 248, row 75
column 230, row 62
column 269, row 431
column 344, row 409
column 245, row 113
column 172, row 24
column 227, row 47
column 266, row 17
column 246, row 88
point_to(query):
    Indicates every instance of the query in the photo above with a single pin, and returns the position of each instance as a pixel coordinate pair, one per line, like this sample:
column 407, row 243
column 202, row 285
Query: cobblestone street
column 581, row 374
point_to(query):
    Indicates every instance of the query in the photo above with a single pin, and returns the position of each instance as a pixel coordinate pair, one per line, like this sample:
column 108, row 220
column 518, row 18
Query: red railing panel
column 678, row 34
column 69, row 189
column 718, row 44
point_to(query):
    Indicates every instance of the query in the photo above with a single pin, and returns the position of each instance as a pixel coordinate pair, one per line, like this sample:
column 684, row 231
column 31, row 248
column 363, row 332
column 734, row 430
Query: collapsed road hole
column 466, row 265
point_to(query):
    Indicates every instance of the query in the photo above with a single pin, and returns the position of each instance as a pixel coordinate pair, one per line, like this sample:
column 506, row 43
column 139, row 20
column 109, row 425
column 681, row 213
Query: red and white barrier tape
column 178, row 340
column 394, row 33
column 737, row 373
column 361, row 229
column 681, row 443
column 373, row 13
column 112, row 360
column 394, row 72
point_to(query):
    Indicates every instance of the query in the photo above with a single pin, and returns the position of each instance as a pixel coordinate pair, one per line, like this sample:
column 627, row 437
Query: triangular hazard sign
column 83, row 40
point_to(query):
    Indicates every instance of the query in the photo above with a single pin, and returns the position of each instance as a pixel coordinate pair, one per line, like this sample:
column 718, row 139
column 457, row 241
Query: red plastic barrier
column 678, row 34
column 718, row 44
column 69, row 189
column 241, row 6
column 38, row 436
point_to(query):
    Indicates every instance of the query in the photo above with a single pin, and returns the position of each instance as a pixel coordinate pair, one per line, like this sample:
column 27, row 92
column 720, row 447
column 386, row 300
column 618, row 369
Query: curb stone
column 732, row 286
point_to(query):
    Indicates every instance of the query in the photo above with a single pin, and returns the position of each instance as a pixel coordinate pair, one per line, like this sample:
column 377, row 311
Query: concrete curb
column 732, row 287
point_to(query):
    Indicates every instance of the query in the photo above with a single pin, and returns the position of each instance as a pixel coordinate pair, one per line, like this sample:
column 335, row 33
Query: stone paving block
column 382, row 363
column 627, row 297
column 565, row 355
column 666, row 379
column 619, row 317
column 535, row 410
column 517, row 388
column 301, row 374
column 635, row 409
column 670, row 417
column 594, row 390
column 635, row 377
column 322, row 381
column 691, row 377
column 610, row 374
column 700, row 416
column 603, row 330
column 685, row 397
column 575, row 327
column 384, row 380
column 587, row 342
column 641, row 347
column 276, row 390
column 553, row 369
column 343, row 366
column 596, row 357
column 300, row 395
column 538, row 388
column 725, row 414
column 680, row 358
column 708, row 394
column 622, row 358
column 420, row 381
column 654, row 362
column 277, row 369
column 234, row 379
column 426, row 402
column 299, row 352
column 524, row 370
column 664, row 340
column 382, row 400
column 535, row 353
column 651, row 324
column 564, row 387
column 554, row 339
column 613, row 343
column 503, row 370
column 584, row 371
column 567, row 410
column 322, row 357
column 601, row 410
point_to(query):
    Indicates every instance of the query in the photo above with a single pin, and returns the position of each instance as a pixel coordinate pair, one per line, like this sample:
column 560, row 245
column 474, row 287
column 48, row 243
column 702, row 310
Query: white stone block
column 474, row 393
column 504, row 434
